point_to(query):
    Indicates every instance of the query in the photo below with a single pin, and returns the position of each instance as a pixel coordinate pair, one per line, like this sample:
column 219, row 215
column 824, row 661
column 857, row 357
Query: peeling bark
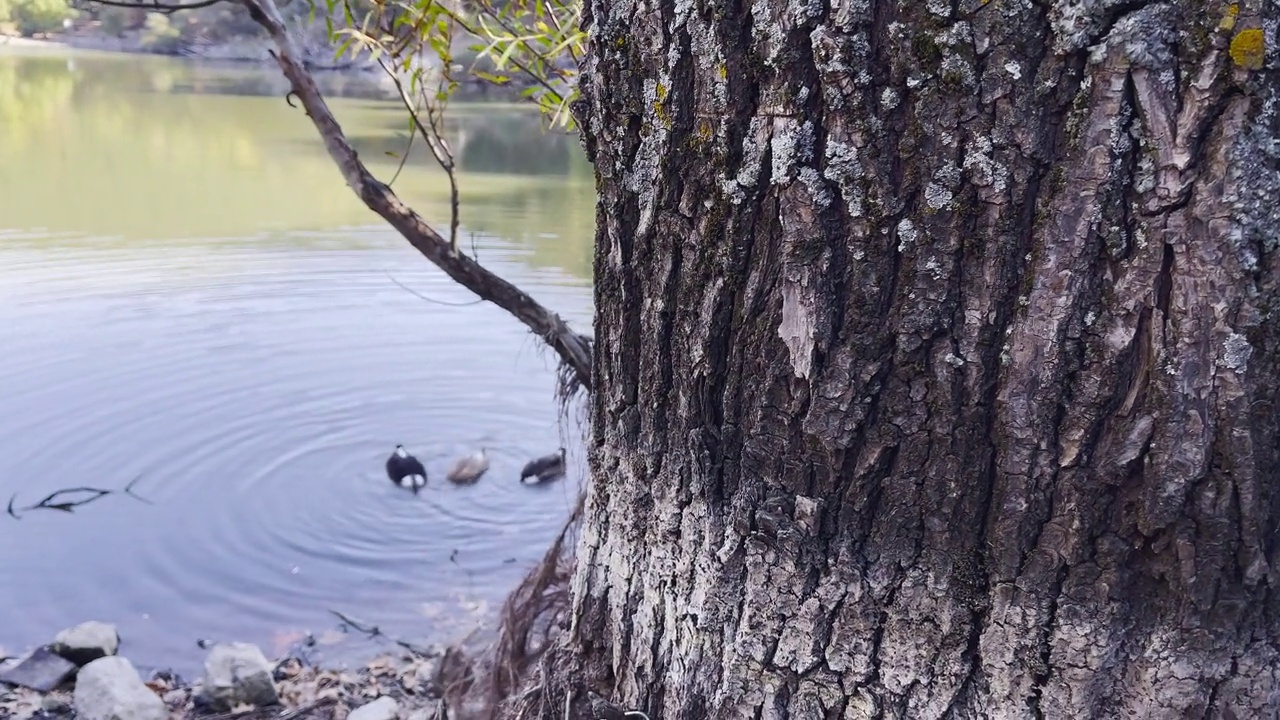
column 938, row 357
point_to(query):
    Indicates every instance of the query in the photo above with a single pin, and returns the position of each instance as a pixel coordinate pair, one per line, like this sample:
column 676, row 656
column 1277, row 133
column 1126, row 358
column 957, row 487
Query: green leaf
column 502, row 60
column 495, row 79
column 346, row 44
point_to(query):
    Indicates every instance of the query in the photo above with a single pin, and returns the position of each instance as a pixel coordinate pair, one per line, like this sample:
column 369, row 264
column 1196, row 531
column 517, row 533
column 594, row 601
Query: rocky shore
column 80, row 674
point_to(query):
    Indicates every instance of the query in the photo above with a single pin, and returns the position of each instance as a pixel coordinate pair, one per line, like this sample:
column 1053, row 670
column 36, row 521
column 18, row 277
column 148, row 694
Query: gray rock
column 384, row 708
column 109, row 688
column 236, row 673
column 54, row 705
column 86, row 642
column 41, row 671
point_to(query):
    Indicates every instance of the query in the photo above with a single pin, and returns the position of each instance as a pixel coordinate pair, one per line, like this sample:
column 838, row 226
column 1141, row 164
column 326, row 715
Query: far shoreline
column 242, row 52
column 251, row 54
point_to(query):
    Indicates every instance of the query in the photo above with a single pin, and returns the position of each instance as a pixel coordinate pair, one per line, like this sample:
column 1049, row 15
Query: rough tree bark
column 937, row 354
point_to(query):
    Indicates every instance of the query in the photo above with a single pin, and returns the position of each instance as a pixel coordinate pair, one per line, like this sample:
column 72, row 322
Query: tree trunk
column 938, row 347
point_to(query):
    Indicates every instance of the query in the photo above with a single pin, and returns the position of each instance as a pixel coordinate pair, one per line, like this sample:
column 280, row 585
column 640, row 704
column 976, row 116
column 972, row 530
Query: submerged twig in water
column 268, row 712
column 411, row 291
column 375, row 631
column 370, row 630
column 54, row 501
column 299, row 712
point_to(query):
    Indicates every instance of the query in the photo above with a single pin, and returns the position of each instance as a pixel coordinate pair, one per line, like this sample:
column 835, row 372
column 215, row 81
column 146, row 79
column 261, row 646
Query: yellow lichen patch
column 722, row 72
column 1249, row 49
column 661, row 92
column 662, row 115
column 1228, row 22
column 704, row 129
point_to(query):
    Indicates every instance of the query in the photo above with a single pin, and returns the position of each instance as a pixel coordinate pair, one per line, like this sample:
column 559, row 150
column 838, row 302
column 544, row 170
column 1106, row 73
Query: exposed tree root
column 511, row 679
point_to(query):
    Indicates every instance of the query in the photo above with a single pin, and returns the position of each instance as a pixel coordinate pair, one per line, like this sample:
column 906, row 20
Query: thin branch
column 408, row 149
column 411, row 291
column 309, row 707
column 55, row 500
column 286, row 715
column 573, row 348
column 370, row 630
column 436, row 120
column 434, row 138
column 156, row 5
column 374, row 631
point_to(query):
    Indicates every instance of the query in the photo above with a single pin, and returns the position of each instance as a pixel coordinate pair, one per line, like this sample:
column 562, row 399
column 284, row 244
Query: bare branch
column 156, row 5
column 374, row 631
column 270, row 713
column 404, row 158
column 573, row 348
column 411, row 291
column 57, row 500
column 432, row 134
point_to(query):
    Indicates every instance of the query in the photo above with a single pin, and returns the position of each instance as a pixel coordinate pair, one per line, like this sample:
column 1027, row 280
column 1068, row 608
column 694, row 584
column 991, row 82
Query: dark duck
column 405, row 470
column 544, row 468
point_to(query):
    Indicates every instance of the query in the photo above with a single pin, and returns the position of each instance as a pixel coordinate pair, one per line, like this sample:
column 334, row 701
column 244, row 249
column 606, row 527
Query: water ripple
column 257, row 391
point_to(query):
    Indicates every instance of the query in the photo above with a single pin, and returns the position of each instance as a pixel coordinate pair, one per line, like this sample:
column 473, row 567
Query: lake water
column 189, row 294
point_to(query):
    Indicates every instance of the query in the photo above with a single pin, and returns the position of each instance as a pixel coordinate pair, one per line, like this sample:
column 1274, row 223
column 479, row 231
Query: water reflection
column 104, row 147
column 189, row 292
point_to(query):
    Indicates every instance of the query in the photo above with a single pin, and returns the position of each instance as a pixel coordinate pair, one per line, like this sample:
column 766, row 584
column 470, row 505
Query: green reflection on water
column 146, row 149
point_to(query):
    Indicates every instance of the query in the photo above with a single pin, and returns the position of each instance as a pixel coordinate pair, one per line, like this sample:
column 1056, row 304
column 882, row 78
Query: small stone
column 109, row 688
column 237, row 673
column 384, row 708
column 54, row 705
column 41, row 671
column 86, row 642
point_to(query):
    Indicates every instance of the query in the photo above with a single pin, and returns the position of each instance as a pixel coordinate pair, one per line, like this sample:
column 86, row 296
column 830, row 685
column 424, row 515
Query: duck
column 469, row 468
column 545, row 467
column 405, row 470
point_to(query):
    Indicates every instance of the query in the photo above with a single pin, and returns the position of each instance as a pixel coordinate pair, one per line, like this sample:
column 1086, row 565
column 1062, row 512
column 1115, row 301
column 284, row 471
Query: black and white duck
column 544, row 468
column 405, row 470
